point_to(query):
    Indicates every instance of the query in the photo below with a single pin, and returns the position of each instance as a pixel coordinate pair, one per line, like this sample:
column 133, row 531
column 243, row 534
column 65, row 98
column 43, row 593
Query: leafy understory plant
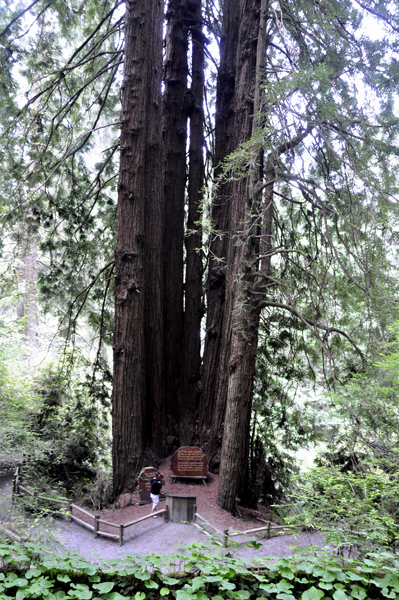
column 195, row 573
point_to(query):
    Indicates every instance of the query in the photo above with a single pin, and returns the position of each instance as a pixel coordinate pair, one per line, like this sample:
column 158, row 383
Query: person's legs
column 155, row 502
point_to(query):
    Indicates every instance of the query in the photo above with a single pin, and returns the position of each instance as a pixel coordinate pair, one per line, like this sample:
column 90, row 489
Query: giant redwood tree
column 137, row 401
column 301, row 211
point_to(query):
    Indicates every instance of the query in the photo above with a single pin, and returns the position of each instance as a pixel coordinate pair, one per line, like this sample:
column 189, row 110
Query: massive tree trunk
column 237, row 76
column 154, row 256
column 174, row 140
column 225, row 141
column 138, row 166
column 245, row 307
column 193, row 283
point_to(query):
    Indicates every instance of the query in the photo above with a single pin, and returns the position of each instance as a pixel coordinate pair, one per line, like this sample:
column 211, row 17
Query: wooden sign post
column 189, row 462
column 145, row 477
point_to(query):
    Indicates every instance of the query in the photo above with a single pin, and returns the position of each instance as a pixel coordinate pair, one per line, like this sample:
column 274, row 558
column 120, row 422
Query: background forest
column 199, row 217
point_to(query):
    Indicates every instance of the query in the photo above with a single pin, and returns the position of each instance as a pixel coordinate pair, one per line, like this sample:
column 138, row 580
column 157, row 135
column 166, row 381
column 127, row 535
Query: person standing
column 155, row 490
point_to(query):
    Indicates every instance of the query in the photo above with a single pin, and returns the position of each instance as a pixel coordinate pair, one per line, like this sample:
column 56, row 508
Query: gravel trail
column 150, row 536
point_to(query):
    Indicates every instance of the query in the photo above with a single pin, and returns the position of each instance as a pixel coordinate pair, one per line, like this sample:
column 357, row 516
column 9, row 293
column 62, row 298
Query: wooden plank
column 202, row 530
column 158, row 512
column 234, row 533
column 85, row 512
column 20, row 487
column 112, row 536
column 189, row 476
column 108, row 523
column 13, row 536
column 64, row 502
column 83, row 523
column 210, row 524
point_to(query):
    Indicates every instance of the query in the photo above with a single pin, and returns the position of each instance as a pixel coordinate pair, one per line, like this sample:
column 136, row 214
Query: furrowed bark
column 174, row 139
column 193, row 305
column 140, row 90
column 241, row 42
column 154, row 238
column 244, row 310
column 216, row 284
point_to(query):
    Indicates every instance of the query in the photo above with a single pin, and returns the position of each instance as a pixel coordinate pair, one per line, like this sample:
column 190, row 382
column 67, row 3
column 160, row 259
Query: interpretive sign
column 189, row 461
column 145, row 477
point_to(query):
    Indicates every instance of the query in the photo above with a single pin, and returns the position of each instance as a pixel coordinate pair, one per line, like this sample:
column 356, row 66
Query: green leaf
column 143, row 575
column 312, row 594
column 164, row 591
column 104, row 588
column 117, row 596
column 358, row 593
column 242, row 594
column 20, row 583
column 181, row 595
column 137, row 596
column 152, row 585
column 64, row 578
column 171, row 580
column 340, row 595
column 325, row 586
column 227, row 585
column 287, row 573
column 33, row 573
column 270, row 588
column 284, row 586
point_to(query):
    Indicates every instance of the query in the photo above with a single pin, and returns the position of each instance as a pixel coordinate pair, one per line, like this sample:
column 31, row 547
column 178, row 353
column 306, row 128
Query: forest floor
column 155, row 536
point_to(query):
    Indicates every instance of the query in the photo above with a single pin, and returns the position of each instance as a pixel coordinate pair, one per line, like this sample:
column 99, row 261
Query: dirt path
column 156, row 536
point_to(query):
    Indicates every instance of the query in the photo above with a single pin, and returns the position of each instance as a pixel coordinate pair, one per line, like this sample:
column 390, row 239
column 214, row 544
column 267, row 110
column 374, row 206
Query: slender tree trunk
column 154, row 257
column 174, row 139
column 193, row 284
column 140, row 91
column 27, row 276
column 225, row 140
column 30, row 306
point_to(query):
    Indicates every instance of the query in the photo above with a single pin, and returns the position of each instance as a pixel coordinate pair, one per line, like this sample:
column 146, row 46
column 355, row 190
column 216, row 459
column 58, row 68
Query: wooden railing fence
column 72, row 508
column 219, row 537
column 222, row 537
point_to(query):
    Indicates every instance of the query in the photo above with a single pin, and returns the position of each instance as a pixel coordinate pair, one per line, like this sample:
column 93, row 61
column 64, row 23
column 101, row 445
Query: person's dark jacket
column 156, row 486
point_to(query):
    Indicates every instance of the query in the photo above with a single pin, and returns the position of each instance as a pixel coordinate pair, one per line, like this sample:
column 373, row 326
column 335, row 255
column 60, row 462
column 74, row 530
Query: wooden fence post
column 225, row 537
column 96, row 525
column 268, row 531
column 121, row 527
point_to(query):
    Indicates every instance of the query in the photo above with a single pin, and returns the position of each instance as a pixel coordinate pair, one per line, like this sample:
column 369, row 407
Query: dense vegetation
column 197, row 574
column 290, row 226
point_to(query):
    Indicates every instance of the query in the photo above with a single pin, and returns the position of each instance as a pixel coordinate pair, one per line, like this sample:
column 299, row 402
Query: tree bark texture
column 174, row 140
column 243, row 21
column 154, row 253
column 30, row 307
column 193, row 304
column 225, row 142
column 140, row 93
column 244, row 308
